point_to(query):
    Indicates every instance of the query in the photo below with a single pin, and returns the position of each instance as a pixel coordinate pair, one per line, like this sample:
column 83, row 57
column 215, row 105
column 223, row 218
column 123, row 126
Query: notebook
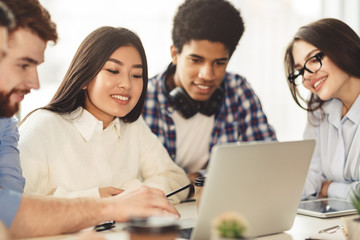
column 261, row 181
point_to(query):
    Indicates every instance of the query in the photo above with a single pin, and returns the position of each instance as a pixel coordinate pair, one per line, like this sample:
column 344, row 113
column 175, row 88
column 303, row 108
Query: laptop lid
column 261, row 181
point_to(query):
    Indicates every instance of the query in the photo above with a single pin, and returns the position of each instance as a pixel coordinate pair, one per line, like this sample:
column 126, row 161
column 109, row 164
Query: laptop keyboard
column 185, row 233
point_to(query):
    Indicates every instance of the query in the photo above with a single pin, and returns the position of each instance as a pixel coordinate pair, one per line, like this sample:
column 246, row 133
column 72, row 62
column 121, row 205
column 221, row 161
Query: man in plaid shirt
column 195, row 104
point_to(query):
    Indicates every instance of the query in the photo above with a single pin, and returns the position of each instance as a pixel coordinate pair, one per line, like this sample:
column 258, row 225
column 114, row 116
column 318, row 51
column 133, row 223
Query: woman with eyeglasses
column 324, row 57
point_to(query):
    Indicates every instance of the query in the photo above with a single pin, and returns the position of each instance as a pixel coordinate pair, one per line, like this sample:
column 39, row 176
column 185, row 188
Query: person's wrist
column 107, row 208
column 324, row 189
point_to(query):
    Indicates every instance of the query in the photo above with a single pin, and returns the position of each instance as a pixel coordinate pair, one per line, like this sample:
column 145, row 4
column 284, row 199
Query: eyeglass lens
column 312, row 65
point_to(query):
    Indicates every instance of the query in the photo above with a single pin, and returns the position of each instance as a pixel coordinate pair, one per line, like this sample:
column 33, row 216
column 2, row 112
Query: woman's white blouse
column 337, row 152
column 71, row 155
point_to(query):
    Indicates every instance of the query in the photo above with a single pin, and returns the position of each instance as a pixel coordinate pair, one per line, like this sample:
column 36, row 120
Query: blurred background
column 269, row 26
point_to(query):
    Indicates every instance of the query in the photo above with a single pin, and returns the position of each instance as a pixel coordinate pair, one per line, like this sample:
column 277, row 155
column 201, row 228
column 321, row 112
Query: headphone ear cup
column 183, row 102
column 213, row 104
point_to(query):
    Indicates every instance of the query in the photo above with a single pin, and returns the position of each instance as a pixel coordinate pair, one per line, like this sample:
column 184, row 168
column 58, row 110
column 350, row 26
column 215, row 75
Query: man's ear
column 173, row 52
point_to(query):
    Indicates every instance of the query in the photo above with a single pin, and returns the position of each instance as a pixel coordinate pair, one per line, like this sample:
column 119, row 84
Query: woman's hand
column 109, row 191
column 324, row 189
column 192, row 176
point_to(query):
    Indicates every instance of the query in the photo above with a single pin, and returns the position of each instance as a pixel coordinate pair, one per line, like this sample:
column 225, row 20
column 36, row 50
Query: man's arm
column 4, row 233
column 10, row 171
column 40, row 216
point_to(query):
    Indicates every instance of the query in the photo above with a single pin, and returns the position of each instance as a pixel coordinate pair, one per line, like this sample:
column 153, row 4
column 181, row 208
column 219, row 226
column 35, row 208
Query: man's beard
column 7, row 110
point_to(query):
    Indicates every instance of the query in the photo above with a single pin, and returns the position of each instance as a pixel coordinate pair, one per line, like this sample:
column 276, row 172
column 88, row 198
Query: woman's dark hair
column 212, row 20
column 89, row 59
column 337, row 41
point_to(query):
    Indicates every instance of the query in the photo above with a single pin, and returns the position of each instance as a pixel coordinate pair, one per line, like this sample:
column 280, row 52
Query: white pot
column 222, row 238
column 352, row 227
column 215, row 237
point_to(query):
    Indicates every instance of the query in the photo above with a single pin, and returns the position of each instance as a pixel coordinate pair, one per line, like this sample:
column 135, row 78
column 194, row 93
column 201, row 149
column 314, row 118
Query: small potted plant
column 352, row 224
column 356, row 201
column 229, row 225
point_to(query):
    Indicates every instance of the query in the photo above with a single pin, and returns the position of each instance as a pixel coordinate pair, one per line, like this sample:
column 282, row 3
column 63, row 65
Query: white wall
column 269, row 25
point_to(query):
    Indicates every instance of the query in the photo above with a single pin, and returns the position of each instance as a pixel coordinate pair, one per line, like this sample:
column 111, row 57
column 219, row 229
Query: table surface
column 303, row 227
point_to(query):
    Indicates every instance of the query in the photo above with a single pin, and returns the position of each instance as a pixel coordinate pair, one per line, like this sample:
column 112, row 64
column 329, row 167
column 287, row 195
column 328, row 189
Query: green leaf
column 356, row 200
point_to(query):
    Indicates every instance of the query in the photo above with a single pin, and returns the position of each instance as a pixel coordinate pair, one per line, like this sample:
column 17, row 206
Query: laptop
column 261, row 181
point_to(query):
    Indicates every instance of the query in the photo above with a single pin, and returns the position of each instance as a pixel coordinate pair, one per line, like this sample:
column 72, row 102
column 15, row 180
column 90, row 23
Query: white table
column 303, row 227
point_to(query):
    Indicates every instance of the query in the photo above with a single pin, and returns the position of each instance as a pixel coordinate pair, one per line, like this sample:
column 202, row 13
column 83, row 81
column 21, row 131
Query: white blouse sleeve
column 157, row 168
column 66, row 193
column 33, row 152
column 315, row 177
column 40, row 144
column 343, row 190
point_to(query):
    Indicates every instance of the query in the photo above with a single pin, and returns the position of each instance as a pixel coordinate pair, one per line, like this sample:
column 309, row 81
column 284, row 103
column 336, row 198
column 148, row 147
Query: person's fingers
column 109, row 191
column 148, row 212
column 146, row 201
column 116, row 191
column 164, row 204
column 158, row 199
column 140, row 208
column 157, row 192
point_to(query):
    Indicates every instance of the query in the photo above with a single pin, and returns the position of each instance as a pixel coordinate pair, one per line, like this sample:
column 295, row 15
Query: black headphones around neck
column 188, row 107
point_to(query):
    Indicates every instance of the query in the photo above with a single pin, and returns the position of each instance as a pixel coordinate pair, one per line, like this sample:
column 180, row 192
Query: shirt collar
column 87, row 124
column 354, row 113
column 333, row 109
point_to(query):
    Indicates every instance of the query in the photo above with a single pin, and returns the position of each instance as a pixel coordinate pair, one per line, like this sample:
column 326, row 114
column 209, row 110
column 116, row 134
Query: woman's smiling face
column 329, row 82
column 117, row 88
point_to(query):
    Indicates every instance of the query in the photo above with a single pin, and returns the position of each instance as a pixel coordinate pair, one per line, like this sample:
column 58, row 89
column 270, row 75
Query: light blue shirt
column 10, row 171
column 336, row 156
column 9, row 202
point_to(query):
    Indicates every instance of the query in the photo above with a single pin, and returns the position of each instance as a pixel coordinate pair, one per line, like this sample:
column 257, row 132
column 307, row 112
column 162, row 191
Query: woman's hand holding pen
column 192, row 176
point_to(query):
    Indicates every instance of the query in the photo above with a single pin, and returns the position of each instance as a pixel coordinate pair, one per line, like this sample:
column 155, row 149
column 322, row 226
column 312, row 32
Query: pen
column 331, row 229
column 178, row 190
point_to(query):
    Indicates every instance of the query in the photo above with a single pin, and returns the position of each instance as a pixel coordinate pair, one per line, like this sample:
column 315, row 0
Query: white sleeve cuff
column 339, row 190
column 65, row 193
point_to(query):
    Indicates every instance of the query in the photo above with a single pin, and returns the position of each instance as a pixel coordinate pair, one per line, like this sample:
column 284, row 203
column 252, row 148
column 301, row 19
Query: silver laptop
column 261, row 181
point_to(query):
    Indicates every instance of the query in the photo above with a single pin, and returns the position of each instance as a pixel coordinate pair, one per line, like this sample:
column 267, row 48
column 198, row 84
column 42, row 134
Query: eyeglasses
column 312, row 65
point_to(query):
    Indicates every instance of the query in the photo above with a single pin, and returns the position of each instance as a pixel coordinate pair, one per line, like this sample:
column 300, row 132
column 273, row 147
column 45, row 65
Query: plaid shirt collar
column 240, row 117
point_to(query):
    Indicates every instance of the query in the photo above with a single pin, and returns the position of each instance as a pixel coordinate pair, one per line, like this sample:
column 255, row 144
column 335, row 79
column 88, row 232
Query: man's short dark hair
column 212, row 20
column 7, row 19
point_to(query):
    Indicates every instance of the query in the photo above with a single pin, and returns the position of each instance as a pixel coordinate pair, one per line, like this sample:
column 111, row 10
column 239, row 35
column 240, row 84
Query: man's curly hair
column 212, row 20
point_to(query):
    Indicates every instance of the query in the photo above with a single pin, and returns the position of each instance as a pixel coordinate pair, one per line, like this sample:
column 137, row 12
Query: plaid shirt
column 240, row 117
